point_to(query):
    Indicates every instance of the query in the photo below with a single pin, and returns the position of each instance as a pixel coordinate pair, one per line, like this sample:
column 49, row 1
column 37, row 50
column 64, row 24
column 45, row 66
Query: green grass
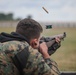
column 65, row 56
column 7, row 29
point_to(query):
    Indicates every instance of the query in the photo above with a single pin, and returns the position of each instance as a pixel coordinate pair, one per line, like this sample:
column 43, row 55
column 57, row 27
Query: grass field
column 65, row 56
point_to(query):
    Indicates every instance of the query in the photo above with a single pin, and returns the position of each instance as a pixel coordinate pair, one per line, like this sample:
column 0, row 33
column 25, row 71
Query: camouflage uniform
column 36, row 65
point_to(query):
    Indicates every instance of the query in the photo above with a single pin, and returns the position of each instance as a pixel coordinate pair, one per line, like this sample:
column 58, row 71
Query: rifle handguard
column 52, row 49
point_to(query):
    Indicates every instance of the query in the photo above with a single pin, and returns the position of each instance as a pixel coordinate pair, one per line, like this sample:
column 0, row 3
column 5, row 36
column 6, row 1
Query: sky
column 59, row 10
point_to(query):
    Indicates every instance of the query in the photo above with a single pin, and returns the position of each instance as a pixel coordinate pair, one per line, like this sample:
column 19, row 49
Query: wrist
column 46, row 56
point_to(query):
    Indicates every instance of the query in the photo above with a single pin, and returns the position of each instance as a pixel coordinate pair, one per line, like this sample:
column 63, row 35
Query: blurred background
column 62, row 17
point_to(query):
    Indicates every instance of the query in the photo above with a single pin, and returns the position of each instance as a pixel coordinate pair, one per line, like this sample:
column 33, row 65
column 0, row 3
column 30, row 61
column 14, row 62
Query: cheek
column 38, row 44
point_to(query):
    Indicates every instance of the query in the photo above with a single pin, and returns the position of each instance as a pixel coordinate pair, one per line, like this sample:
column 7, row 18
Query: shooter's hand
column 57, row 39
column 43, row 49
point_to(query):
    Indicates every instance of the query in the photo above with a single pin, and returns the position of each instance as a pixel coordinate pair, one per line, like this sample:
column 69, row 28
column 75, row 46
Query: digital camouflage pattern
column 36, row 65
column 6, row 65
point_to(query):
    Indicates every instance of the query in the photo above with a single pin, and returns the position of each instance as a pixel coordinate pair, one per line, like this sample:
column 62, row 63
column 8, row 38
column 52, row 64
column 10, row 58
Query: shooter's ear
column 34, row 43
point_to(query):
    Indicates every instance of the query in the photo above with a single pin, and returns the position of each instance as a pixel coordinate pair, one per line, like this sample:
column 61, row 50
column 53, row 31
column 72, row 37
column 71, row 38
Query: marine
column 21, row 53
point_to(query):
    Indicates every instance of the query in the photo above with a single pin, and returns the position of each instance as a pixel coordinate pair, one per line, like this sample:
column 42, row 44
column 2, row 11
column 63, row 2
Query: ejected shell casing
column 45, row 10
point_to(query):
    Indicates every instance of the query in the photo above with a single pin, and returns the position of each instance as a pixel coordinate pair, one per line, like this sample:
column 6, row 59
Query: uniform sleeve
column 6, row 65
column 37, row 65
column 53, row 66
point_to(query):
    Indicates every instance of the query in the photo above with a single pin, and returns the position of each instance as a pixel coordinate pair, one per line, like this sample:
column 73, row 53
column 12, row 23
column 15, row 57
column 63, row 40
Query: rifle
column 51, row 43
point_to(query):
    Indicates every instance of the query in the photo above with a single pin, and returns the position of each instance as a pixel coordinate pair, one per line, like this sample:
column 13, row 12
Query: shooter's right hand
column 43, row 49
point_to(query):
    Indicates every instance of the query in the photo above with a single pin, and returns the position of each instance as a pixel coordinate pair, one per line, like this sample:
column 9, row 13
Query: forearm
column 53, row 66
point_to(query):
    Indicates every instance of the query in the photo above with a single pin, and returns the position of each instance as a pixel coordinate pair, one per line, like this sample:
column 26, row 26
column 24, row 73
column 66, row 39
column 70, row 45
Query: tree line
column 8, row 16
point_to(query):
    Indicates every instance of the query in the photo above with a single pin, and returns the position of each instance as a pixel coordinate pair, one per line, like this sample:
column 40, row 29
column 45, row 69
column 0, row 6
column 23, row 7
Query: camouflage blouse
column 36, row 64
